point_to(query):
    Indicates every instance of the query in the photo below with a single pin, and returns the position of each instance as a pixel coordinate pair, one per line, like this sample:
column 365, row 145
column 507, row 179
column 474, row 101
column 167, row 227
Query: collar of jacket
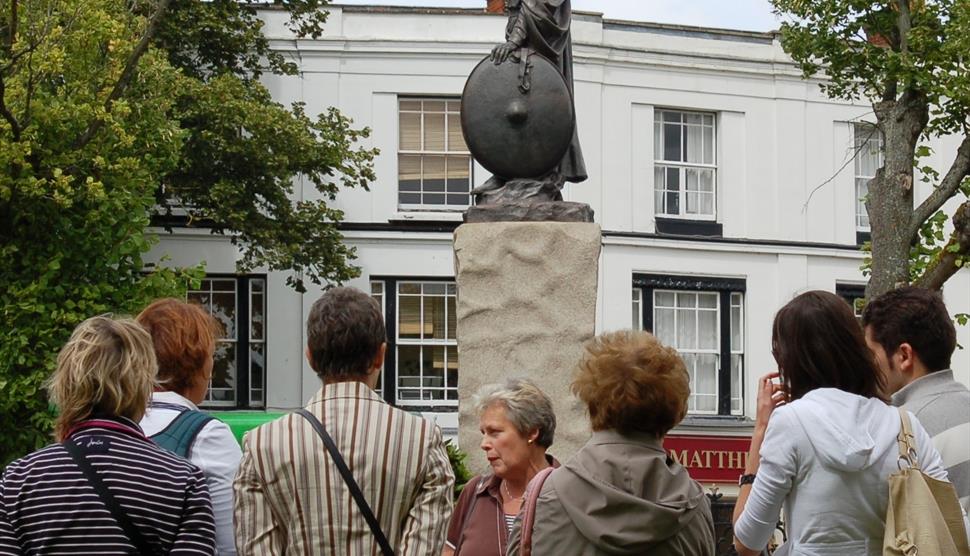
column 937, row 382
column 610, row 436
column 342, row 390
column 110, row 422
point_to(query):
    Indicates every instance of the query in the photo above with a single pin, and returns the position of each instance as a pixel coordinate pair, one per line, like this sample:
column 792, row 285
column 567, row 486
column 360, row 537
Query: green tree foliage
column 103, row 103
column 909, row 58
column 237, row 167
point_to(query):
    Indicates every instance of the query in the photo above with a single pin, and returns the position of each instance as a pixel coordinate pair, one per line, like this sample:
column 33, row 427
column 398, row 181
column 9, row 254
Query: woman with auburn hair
column 824, row 441
column 620, row 493
column 184, row 336
column 104, row 487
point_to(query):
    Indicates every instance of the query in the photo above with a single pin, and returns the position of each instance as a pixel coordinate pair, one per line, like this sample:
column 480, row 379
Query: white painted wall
column 782, row 176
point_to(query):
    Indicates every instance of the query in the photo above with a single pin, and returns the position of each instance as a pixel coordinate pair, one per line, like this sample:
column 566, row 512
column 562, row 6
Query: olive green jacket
column 620, row 494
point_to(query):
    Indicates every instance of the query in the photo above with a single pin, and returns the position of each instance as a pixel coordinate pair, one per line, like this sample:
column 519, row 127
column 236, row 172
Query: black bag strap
column 136, row 538
column 338, row 460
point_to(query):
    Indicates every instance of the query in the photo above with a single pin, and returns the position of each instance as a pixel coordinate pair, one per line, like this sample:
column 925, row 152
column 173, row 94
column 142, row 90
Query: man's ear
column 379, row 358
column 309, row 358
column 905, row 358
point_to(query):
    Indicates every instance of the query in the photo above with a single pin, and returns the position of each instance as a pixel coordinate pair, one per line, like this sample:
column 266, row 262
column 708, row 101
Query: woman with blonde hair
column 104, row 487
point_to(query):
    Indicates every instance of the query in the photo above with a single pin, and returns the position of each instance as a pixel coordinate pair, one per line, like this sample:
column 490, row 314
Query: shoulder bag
column 924, row 516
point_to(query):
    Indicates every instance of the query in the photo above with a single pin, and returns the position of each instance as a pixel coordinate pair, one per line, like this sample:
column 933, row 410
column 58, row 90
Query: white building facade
column 723, row 181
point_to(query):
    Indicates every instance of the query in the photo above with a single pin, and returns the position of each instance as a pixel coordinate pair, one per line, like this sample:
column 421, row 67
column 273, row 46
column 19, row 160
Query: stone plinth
column 526, row 306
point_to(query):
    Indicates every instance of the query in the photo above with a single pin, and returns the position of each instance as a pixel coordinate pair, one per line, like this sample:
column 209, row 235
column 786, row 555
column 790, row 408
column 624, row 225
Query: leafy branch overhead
column 107, row 105
column 909, row 58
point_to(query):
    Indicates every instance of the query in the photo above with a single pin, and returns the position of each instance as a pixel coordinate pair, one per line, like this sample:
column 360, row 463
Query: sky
column 746, row 15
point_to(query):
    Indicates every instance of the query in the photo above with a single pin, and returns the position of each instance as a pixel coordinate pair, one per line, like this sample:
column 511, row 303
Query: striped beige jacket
column 290, row 498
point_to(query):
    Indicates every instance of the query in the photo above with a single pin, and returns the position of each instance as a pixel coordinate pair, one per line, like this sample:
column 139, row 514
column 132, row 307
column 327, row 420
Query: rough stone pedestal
column 526, row 306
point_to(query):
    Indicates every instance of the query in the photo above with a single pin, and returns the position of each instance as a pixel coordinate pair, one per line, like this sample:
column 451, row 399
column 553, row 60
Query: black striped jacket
column 47, row 505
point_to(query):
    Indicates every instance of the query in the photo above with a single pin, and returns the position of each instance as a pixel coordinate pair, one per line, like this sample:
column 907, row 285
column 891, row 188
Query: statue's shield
column 517, row 124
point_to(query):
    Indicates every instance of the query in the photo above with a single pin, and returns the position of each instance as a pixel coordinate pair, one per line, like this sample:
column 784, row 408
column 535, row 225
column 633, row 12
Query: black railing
column 723, row 513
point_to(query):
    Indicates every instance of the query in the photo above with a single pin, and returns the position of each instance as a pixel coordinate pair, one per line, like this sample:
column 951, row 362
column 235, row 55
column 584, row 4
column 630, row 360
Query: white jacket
column 215, row 451
column 828, row 457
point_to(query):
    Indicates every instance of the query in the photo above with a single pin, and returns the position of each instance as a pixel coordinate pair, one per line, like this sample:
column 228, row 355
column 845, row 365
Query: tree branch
column 126, row 76
column 944, row 266
column 958, row 171
column 5, row 112
column 904, row 23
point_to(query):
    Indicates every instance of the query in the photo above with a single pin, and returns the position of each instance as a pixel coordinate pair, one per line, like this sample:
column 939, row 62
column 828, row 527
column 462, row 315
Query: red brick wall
column 495, row 6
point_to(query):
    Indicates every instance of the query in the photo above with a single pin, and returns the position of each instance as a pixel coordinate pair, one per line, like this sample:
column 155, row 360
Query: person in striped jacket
column 104, row 487
column 290, row 497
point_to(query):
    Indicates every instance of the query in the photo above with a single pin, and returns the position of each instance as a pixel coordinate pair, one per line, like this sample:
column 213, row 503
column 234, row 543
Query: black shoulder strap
column 99, row 487
column 338, row 460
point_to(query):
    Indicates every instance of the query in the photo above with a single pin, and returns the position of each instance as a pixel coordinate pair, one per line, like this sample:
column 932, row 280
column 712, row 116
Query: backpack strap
column 180, row 434
column 529, row 509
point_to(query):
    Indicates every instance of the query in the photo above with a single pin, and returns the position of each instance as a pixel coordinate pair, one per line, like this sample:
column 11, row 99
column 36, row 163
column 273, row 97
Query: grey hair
column 526, row 406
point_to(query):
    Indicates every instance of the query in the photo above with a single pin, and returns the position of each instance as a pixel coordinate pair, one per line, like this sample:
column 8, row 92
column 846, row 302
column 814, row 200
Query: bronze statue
column 518, row 113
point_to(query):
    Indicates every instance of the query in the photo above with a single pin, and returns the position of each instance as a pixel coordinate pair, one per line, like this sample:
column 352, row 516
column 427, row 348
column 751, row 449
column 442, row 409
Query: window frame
column 648, row 284
column 859, row 206
column 389, row 378
column 243, row 341
column 683, row 166
column 424, row 207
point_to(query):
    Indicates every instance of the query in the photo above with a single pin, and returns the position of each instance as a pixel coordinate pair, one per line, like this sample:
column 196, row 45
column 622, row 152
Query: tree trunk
column 890, row 199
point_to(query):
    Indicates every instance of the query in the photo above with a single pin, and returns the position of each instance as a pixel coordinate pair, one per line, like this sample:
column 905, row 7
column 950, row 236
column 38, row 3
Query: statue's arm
column 515, row 35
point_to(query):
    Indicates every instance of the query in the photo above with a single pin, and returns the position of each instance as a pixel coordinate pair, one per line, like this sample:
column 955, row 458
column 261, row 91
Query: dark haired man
column 912, row 336
column 290, row 497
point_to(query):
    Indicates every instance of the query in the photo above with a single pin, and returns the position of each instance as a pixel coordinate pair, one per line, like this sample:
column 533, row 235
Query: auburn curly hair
column 184, row 335
column 632, row 383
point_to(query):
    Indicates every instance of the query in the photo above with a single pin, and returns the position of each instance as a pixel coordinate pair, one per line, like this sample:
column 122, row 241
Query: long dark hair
column 818, row 343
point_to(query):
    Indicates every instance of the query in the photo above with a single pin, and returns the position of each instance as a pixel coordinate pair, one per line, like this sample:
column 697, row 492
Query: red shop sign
column 710, row 459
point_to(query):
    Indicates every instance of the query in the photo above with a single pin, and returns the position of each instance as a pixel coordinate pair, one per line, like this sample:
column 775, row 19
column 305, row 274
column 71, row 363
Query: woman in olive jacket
column 620, row 493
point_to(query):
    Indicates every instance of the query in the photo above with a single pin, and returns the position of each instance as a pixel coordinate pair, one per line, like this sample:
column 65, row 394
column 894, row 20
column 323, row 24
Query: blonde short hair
column 526, row 406
column 107, row 367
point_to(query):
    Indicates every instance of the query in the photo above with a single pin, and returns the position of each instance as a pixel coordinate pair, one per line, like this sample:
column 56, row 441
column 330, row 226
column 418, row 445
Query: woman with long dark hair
column 824, row 442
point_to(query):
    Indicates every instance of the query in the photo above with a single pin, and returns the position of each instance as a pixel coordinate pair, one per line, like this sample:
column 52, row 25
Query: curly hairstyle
column 184, row 335
column 630, row 382
column 107, row 367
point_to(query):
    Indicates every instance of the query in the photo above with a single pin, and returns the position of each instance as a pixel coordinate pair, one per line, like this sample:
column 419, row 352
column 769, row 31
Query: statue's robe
column 543, row 26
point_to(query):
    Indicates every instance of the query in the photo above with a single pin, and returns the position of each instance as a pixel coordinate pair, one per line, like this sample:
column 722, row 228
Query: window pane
column 409, row 172
column 414, row 105
column 664, row 299
column 434, row 132
column 707, row 330
column 737, row 366
column 409, row 317
column 658, row 143
column 433, row 375
column 452, row 318
column 664, row 327
column 257, row 308
column 256, row 372
column 434, row 105
column 708, row 157
column 637, row 321
column 224, row 310
column 222, row 388
column 409, row 372
column 686, row 329
column 695, row 141
column 672, row 139
column 458, row 174
column 434, row 174
column 434, row 317
column 456, row 141
column 410, row 132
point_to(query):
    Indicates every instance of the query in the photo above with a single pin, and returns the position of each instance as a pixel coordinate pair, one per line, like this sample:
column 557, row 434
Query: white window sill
column 428, row 216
